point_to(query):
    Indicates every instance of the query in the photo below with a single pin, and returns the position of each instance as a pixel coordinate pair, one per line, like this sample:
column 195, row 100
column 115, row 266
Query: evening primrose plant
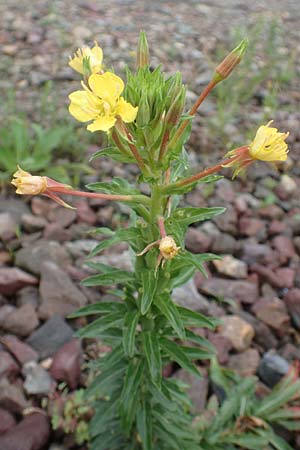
column 146, row 124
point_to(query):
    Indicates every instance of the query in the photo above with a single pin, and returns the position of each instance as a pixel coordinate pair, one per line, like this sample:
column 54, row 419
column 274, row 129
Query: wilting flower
column 168, row 248
column 89, row 58
column 28, row 184
column 268, row 145
column 101, row 102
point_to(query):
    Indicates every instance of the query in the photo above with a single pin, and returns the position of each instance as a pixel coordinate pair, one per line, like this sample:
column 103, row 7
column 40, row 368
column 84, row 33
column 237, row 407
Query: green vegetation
column 258, row 82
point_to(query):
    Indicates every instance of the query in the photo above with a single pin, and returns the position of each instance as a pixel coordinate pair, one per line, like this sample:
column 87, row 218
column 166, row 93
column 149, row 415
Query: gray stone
column 272, row 368
column 243, row 291
column 28, row 296
column 31, row 258
column 12, row 279
column 37, row 379
column 22, row 321
column 231, row 267
column 198, row 388
column 32, row 433
column 224, row 243
column 188, row 296
column 81, row 247
column 59, row 295
column 50, row 336
column 15, row 207
column 245, row 363
column 8, row 226
column 32, row 223
column 11, row 397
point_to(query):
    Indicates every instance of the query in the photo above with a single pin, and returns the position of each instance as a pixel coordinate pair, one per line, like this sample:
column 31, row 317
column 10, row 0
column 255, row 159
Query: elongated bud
column 174, row 89
column 142, row 59
column 144, row 114
column 228, row 64
column 176, row 109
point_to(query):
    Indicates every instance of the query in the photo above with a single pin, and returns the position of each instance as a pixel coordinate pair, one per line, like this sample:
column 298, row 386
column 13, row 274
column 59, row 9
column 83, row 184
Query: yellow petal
column 126, row 111
column 21, row 173
column 269, row 144
column 84, row 105
column 95, row 56
column 104, row 123
column 107, row 86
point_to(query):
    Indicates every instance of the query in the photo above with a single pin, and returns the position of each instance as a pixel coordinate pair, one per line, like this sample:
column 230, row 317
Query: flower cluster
column 100, row 100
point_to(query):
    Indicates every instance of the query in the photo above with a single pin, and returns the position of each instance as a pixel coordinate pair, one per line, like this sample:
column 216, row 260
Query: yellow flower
column 101, row 102
column 168, row 248
column 91, row 56
column 28, row 184
column 269, row 144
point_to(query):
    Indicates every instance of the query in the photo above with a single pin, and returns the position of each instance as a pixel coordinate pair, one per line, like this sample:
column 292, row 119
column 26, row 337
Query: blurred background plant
column 252, row 94
column 238, row 417
column 54, row 147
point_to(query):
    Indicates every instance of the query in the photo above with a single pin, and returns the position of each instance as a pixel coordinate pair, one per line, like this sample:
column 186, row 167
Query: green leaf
column 115, row 186
column 170, row 311
column 129, row 329
column 152, row 352
column 191, row 336
column 187, row 216
column 96, row 328
column 105, row 383
column 144, row 425
column 130, row 393
column 197, row 260
column 129, row 235
column 99, row 308
column 178, row 355
column 110, row 275
column 195, row 319
column 196, row 353
column 149, row 283
column 113, row 153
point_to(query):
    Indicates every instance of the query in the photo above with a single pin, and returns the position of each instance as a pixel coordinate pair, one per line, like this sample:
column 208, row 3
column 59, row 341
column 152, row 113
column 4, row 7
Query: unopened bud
column 228, row 64
column 174, row 113
column 174, row 88
column 143, row 115
column 142, row 59
column 168, row 247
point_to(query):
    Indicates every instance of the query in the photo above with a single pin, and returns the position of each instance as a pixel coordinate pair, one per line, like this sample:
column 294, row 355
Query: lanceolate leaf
column 144, row 425
column 99, row 308
column 187, row 216
column 129, row 330
column 113, row 276
column 169, row 310
column 178, row 355
column 149, row 282
column 130, row 393
column 129, row 235
column 152, row 352
column 115, row 186
column 96, row 328
column 195, row 319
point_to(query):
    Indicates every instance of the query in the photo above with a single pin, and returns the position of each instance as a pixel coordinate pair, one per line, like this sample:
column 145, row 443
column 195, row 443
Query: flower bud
column 142, row 59
column 144, row 113
column 174, row 113
column 168, row 248
column 225, row 68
